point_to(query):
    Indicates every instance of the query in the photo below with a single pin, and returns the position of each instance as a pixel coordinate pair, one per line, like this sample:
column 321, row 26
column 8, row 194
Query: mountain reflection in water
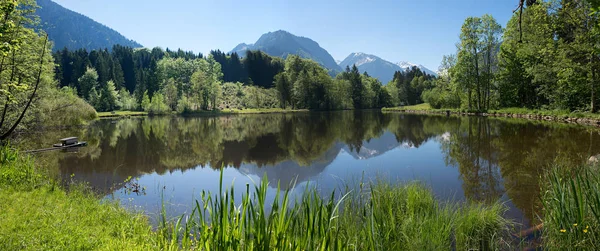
column 461, row 158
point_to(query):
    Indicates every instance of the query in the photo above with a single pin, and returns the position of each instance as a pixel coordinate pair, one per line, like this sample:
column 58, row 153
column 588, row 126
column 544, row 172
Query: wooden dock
column 65, row 143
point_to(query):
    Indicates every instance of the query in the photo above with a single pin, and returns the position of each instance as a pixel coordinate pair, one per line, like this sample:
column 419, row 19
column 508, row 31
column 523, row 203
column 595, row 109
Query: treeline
column 162, row 81
column 547, row 57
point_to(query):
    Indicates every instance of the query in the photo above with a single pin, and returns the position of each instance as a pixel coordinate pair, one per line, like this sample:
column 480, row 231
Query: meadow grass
column 114, row 114
column 419, row 107
column 38, row 214
column 260, row 111
column 571, row 214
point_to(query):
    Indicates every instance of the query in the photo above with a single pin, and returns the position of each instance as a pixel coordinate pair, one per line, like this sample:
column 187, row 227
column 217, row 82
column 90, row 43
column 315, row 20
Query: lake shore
column 589, row 119
column 125, row 114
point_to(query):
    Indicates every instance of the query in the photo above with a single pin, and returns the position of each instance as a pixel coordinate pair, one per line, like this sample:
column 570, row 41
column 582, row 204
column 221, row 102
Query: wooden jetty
column 65, row 143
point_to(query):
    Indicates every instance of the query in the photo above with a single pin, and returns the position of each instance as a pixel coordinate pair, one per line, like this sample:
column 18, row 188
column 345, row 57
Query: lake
column 173, row 159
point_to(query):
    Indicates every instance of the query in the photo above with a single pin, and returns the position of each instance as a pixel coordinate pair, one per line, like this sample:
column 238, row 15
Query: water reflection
column 469, row 158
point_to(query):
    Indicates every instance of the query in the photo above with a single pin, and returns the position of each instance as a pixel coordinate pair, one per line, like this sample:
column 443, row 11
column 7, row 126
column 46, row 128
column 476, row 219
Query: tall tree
column 357, row 87
column 491, row 40
column 87, row 82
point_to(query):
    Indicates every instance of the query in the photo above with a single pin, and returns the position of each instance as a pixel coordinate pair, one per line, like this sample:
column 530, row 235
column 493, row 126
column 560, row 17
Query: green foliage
column 183, row 105
column 145, row 102
column 25, row 66
column 257, row 97
column 547, row 58
column 297, row 83
column 441, row 96
column 108, row 99
column 572, row 208
column 475, row 69
column 87, row 82
column 157, row 105
column 37, row 214
column 170, row 93
column 406, row 87
column 17, row 171
column 61, row 107
column 127, row 101
column 94, row 98
column 284, row 88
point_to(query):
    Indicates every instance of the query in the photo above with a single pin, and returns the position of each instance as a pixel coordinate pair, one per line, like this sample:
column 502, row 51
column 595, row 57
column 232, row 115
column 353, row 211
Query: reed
column 571, row 214
column 386, row 217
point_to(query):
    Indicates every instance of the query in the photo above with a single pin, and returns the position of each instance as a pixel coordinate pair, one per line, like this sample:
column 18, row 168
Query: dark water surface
column 460, row 158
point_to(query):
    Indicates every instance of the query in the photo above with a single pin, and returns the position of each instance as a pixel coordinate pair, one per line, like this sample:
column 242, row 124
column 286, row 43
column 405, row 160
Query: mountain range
column 379, row 68
column 72, row 30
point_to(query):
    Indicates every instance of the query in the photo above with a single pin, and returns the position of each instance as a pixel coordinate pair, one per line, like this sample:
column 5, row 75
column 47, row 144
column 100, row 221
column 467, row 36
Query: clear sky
column 418, row 31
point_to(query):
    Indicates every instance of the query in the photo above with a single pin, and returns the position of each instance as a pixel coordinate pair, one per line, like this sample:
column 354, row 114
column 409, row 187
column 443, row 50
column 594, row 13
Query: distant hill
column 377, row 67
column 282, row 43
column 70, row 29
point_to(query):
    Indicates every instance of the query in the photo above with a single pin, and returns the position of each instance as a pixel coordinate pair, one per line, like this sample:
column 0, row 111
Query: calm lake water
column 174, row 158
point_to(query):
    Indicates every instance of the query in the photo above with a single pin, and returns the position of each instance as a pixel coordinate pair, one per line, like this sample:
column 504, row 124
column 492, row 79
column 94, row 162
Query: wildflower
column 575, row 224
column 585, row 231
column 563, row 230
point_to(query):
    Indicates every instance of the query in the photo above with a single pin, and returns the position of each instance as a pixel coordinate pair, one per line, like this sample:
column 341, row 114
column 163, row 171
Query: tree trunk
column 489, row 78
column 593, row 103
column 477, row 78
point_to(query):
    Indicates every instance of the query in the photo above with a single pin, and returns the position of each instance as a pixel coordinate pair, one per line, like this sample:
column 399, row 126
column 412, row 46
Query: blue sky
column 418, row 31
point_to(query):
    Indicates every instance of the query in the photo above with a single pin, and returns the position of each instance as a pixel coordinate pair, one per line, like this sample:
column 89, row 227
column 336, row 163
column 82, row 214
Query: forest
column 165, row 81
column 547, row 57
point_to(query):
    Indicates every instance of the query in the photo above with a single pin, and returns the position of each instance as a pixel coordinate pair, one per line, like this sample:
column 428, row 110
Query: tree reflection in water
column 494, row 157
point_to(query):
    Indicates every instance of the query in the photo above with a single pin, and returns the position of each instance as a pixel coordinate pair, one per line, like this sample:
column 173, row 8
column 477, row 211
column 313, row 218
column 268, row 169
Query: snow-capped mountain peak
column 407, row 65
column 360, row 58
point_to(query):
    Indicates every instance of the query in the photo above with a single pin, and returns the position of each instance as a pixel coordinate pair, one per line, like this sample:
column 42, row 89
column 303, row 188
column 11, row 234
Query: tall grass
column 17, row 171
column 572, row 208
column 37, row 214
column 387, row 217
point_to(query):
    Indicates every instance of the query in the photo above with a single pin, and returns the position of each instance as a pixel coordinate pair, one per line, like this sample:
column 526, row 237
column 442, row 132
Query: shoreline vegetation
column 41, row 214
column 558, row 116
column 582, row 118
column 119, row 114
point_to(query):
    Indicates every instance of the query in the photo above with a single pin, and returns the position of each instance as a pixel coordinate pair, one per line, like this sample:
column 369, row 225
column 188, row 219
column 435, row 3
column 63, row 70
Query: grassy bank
column 118, row 114
column 548, row 115
column 559, row 114
column 37, row 214
column 261, row 111
column 419, row 107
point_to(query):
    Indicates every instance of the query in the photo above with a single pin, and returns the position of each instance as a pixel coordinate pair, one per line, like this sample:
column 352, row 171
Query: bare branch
column 37, row 83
